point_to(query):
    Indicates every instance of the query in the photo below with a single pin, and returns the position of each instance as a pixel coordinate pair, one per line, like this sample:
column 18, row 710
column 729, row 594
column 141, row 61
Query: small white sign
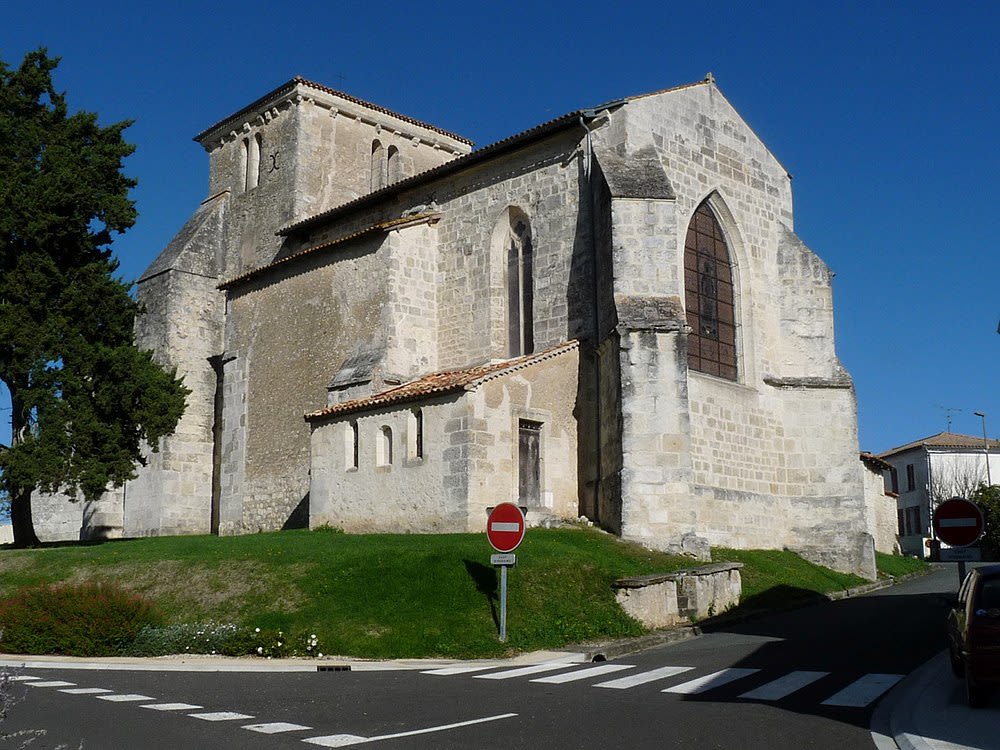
column 507, row 558
column 960, row 554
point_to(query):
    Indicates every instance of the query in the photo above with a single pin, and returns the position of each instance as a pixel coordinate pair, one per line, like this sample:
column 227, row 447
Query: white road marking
column 522, row 671
column 343, row 740
column 710, row 681
column 125, row 698
column 862, row 692
column 275, row 727
column 583, row 674
column 171, row 706
column 50, row 683
column 221, row 716
column 642, row 678
column 458, row 670
column 23, row 678
column 86, row 691
column 784, row 686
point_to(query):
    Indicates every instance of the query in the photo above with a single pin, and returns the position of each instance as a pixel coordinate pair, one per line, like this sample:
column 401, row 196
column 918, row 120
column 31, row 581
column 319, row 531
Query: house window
column 378, row 166
column 520, row 288
column 894, row 478
column 529, row 463
column 913, row 521
column 415, row 434
column 910, row 482
column 900, row 522
column 383, row 451
column 709, row 297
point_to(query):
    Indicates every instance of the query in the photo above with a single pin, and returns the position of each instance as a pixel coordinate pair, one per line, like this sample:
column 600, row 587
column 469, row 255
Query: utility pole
column 986, row 447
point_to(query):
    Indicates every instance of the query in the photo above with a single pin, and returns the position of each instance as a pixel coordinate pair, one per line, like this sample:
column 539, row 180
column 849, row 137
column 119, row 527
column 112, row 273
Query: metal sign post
column 505, row 529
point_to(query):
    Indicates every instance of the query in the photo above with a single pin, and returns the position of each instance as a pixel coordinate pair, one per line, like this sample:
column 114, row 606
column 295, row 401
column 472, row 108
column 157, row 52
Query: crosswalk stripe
column 784, row 686
column 522, row 671
column 863, row 691
column 50, row 683
column 124, row 698
column 85, row 691
column 22, row 678
column 583, row 674
column 623, row 683
column 221, row 716
column 276, row 727
column 458, row 670
column 171, row 706
column 710, row 681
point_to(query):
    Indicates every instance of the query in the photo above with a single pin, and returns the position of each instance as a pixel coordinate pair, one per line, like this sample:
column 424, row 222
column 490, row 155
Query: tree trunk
column 20, row 517
column 20, row 497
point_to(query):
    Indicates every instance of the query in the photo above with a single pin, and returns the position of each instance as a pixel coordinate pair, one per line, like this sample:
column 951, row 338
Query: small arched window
column 378, row 166
column 351, row 446
column 394, row 169
column 244, row 161
column 709, row 297
column 520, row 287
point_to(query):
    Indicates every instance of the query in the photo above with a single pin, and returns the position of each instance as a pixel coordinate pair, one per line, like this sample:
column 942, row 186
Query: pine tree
column 84, row 399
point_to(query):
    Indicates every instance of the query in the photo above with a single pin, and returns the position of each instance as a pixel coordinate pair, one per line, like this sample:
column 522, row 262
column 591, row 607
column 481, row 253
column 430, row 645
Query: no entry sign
column 505, row 527
column 958, row 522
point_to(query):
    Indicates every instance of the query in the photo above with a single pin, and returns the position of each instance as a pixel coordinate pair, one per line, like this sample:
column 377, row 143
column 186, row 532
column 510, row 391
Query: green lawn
column 384, row 596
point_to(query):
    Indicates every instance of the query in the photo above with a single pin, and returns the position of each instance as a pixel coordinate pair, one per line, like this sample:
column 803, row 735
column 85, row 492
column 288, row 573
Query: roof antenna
column 709, row 78
column 948, row 411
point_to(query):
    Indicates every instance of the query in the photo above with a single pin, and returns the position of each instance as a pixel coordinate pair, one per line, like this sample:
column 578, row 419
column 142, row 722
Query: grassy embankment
column 393, row 595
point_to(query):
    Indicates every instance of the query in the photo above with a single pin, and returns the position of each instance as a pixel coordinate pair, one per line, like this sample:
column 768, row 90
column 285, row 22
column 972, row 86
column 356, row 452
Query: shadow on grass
column 485, row 578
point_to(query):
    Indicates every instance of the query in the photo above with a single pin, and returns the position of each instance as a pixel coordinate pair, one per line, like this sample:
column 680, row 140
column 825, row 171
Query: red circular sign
column 958, row 522
column 505, row 527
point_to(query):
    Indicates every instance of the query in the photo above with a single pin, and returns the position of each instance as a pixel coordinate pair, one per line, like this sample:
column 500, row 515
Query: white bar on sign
column 955, row 523
column 503, row 526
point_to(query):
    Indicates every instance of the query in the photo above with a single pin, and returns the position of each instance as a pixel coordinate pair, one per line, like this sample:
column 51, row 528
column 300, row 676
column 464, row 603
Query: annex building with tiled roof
column 924, row 473
column 608, row 315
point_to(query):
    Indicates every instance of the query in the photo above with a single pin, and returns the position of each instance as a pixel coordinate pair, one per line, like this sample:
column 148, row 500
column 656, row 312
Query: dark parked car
column 974, row 633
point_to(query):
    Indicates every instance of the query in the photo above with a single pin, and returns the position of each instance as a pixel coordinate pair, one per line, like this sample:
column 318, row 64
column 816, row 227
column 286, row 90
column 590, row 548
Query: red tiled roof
column 298, row 80
column 442, row 382
column 874, row 462
column 944, row 440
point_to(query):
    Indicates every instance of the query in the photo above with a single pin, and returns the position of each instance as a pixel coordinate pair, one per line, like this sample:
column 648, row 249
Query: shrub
column 73, row 619
column 224, row 639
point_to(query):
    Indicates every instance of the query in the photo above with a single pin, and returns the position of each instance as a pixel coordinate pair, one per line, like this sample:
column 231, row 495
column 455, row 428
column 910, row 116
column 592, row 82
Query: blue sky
column 886, row 113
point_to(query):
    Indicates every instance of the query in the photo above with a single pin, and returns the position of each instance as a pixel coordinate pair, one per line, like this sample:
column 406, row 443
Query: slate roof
column 944, row 440
column 440, row 383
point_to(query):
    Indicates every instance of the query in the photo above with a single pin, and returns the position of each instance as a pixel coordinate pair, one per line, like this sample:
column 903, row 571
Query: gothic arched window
column 393, row 167
column 709, row 297
column 520, row 287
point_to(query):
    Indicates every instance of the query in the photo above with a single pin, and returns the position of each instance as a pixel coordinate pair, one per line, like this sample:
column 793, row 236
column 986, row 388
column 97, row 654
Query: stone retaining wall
column 662, row 600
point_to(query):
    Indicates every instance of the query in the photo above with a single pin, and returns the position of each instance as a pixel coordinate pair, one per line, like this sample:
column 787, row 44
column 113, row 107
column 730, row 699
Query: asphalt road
column 809, row 678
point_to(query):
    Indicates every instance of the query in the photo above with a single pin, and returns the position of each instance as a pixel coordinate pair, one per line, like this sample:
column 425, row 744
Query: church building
column 608, row 315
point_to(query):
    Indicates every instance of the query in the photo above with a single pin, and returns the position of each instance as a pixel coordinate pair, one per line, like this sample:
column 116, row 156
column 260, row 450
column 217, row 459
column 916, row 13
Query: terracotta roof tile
column 944, row 440
column 442, row 382
column 289, row 86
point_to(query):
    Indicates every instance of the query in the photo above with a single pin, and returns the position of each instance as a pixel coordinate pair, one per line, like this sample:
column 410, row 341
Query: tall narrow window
column 529, row 463
column 244, row 160
column 911, row 482
column 383, row 451
column 415, row 434
column 253, row 162
column 520, row 289
column 351, row 446
column 394, row 170
column 709, row 297
column 378, row 166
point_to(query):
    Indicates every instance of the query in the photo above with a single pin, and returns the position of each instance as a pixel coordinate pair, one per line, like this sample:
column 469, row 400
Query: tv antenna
column 948, row 411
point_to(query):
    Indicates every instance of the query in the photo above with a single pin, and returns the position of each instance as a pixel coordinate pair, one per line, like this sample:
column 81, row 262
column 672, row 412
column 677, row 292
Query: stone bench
column 662, row 600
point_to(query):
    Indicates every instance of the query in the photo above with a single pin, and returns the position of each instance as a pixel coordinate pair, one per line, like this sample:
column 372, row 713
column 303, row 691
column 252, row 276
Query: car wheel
column 957, row 665
column 975, row 693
